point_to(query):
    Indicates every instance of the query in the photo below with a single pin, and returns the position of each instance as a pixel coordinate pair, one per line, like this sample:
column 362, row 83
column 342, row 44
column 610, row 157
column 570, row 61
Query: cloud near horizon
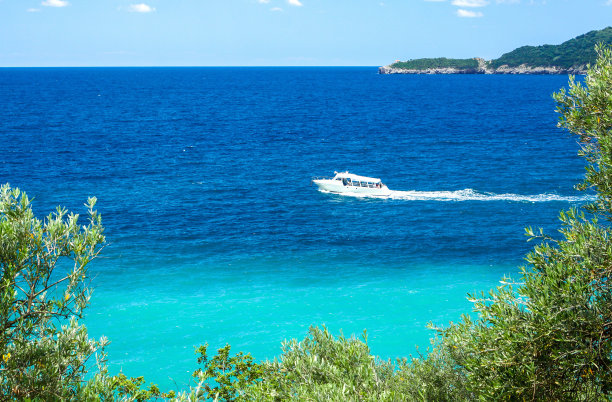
column 463, row 13
column 468, row 14
column 470, row 3
column 294, row 3
column 141, row 8
column 55, row 3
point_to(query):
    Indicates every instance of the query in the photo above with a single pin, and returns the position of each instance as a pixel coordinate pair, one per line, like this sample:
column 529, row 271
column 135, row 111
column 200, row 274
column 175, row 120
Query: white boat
column 352, row 184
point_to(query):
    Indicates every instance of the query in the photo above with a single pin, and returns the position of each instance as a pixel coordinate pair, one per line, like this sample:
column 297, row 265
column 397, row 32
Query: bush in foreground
column 45, row 353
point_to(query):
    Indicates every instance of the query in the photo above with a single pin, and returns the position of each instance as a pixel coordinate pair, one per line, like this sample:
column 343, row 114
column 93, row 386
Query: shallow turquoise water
column 264, row 301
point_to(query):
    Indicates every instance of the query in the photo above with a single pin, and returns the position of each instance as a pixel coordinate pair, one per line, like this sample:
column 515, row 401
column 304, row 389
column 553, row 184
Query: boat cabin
column 349, row 179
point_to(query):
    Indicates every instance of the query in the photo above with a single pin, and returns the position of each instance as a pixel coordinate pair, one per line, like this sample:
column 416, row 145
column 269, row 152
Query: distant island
column 570, row 57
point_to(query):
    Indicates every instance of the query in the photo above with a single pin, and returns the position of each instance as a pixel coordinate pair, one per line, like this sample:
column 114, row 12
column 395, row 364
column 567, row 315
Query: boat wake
column 473, row 195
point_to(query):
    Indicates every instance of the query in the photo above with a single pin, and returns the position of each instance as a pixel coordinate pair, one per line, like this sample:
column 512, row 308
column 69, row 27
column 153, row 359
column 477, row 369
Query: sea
column 215, row 233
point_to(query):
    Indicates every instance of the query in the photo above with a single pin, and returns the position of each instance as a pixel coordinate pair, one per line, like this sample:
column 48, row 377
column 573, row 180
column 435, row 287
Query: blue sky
column 282, row 32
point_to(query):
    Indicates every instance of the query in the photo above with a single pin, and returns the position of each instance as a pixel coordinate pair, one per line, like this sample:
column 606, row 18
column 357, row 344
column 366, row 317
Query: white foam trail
column 471, row 195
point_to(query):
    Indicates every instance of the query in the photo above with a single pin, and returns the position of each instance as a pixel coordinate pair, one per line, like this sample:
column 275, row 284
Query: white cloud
column 435, row 1
column 468, row 14
column 55, row 3
column 276, row 9
column 263, row 1
column 33, row 10
column 296, row 3
column 609, row 3
column 470, row 3
column 140, row 8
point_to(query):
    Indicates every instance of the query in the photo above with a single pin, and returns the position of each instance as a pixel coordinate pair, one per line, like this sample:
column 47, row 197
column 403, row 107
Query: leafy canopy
column 549, row 336
column 45, row 354
column 441, row 62
column 42, row 294
column 575, row 52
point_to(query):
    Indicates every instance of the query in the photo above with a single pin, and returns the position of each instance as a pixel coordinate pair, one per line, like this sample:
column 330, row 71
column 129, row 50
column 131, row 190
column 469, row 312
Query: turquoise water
column 215, row 233
column 262, row 301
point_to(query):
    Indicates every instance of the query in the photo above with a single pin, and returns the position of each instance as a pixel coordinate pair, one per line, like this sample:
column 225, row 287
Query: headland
column 570, row 57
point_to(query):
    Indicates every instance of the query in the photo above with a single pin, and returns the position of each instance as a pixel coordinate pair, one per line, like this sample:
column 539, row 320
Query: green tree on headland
column 575, row 52
column 545, row 336
column 441, row 62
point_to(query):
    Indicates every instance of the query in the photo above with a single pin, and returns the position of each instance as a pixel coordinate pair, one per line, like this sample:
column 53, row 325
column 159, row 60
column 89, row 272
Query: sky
column 37, row 33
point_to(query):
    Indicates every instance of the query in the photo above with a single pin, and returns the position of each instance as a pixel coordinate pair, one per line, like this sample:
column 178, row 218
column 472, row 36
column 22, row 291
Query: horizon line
column 197, row 66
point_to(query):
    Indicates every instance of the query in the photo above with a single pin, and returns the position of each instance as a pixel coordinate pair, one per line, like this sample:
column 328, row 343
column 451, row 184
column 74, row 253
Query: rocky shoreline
column 484, row 69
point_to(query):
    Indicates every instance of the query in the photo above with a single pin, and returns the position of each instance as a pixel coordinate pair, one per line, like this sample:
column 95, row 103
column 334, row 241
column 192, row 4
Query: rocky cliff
column 484, row 68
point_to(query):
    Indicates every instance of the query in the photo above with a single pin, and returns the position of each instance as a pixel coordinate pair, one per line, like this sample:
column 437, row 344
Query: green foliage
column 432, row 377
column 549, row 336
column 442, row 62
column 318, row 368
column 225, row 377
column 586, row 110
column 575, row 52
column 44, row 351
column 42, row 291
column 104, row 387
column 322, row 367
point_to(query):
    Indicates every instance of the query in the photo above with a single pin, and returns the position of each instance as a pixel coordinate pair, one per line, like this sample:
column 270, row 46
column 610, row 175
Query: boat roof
column 354, row 177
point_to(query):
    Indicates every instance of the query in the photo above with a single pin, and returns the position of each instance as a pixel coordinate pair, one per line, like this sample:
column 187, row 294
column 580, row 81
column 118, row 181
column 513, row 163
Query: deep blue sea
column 215, row 233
